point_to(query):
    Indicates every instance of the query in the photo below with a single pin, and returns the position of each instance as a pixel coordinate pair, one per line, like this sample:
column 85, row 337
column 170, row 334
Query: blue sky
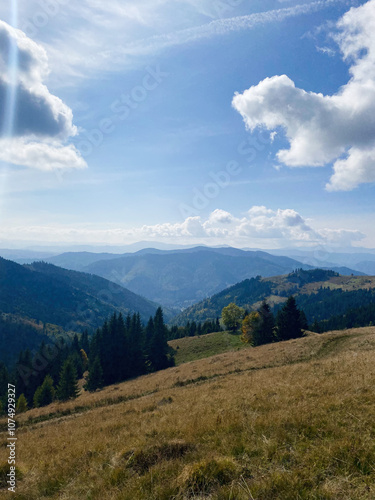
column 171, row 121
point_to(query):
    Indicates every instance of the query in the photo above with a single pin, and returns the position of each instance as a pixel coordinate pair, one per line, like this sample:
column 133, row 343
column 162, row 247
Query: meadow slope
column 287, row 421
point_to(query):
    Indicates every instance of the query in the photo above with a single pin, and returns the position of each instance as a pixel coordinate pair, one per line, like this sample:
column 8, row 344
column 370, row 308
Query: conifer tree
column 136, row 347
column 149, row 333
column 288, row 320
column 316, row 327
column 25, row 375
column 265, row 333
column 45, row 394
column 123, row 354
column 85, row 344
column 21, row 406
column 199, row 330
column 77, row 360
column 159, row 349
column 303, row 320
column 68, row 387
column 95, row 377
column 75, row 343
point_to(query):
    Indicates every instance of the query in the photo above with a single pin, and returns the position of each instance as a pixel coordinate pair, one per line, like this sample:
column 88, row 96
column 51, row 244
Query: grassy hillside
column 193, row 348
column 285, row 421
column 249, row 293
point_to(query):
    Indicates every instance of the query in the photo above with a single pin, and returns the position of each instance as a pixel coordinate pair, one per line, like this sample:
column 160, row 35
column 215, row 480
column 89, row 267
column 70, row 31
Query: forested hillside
column 41, row 299
column 320, row 293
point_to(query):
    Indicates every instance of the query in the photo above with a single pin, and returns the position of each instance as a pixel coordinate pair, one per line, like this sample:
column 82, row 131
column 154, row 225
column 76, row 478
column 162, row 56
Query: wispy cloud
column 223, row 26
column 108, row 36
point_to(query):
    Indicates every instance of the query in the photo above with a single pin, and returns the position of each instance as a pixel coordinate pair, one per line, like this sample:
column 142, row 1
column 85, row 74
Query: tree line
column 354, row 317
column 121, row 349
column 261, row 326
column 193, row 328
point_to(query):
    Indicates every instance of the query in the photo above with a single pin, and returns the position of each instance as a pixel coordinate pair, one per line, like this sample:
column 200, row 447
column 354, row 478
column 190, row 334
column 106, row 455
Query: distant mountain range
column 362, row 260
column 180, row 278
column 321, row 293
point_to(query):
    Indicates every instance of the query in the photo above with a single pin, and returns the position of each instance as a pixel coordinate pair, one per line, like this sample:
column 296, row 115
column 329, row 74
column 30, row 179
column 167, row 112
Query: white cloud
column 323, row 129
column 35, row 124
column 260, row 226
column 40, row 155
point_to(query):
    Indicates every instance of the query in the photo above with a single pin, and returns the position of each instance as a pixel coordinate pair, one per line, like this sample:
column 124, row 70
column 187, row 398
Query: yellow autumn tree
column 249, row 324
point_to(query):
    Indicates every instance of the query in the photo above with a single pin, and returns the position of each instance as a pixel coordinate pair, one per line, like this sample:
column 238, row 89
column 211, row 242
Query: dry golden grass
column 286, row 421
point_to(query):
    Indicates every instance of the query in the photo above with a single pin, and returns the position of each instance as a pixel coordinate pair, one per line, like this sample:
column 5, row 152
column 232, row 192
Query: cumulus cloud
column 35, row 124
column 322, row 129
column 282, row 226
column 259, row 227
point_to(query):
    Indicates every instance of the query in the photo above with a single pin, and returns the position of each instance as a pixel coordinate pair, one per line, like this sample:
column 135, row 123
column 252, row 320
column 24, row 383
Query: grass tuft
column 207, row 475
column 141, row 461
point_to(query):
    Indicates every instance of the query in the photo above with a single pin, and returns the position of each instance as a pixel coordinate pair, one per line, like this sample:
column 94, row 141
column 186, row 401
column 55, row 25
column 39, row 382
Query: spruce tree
column 95, row 377
column 316, row 327
column 25, row 375
column 75, row 343
column 68, row 387
column 21, row 406
column 149, row 333
column 45, row 394
column 264, row 333
column 289, row 323
column 77, row 360
column 85, row 345
column 136, row 347
column 159, row 349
